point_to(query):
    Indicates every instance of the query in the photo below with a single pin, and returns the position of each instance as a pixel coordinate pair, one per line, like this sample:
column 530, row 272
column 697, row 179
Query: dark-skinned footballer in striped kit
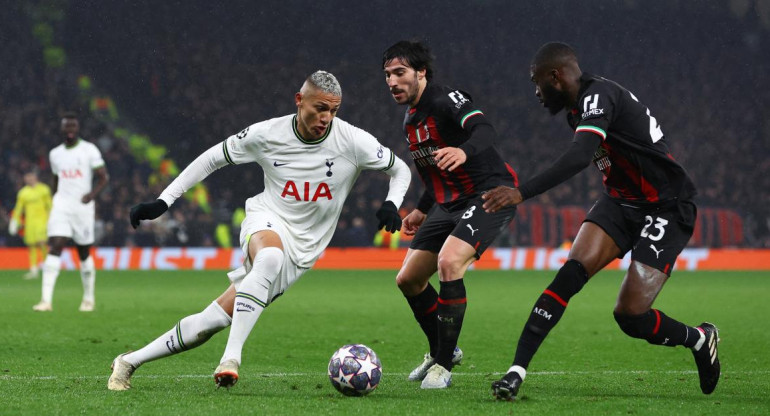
column 646, row 208
column 453, row 146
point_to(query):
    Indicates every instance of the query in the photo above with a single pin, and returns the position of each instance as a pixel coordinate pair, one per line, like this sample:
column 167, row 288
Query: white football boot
column 121, row 374
column 226, row 374
column 438, row 377
column 419, row 373
column 43, row 307
column 86, row 306
column 30, row 275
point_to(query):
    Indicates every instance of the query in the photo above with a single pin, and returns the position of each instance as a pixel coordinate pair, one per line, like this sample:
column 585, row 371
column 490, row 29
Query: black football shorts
column 467, row 221
column 654, row 234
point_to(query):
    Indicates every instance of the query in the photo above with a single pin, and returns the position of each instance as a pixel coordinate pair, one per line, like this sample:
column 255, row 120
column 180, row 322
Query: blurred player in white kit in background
column 74, row 163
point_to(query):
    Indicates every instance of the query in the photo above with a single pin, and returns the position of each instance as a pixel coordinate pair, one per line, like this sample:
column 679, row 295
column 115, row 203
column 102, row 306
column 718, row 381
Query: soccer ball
column 355, row 370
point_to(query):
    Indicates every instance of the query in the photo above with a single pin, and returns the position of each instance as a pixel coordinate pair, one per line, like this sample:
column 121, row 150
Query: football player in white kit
column 310, row 161
column 74, row 163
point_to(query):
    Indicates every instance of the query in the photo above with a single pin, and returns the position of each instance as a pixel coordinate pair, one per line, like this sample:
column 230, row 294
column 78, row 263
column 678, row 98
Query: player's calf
column 548, row 309
column 656, row 328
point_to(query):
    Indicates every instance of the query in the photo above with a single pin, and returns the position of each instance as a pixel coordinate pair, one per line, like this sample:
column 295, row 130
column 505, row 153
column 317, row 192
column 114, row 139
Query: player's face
column 403, row 81
column 315, row 111
column 70, row 129
column 548, row 89
column 30, row 179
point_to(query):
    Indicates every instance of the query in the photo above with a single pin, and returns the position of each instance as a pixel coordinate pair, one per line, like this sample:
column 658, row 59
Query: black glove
column 389, row 218
column 147, row 211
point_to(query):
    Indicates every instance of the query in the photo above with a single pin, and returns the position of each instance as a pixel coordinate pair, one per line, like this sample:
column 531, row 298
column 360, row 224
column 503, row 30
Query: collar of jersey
column 425, row 98
column 74, row 145
column 585, row 80
column 299, row 136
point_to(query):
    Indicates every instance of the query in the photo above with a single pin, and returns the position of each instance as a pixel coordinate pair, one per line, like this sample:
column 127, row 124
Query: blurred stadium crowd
column 155, row 92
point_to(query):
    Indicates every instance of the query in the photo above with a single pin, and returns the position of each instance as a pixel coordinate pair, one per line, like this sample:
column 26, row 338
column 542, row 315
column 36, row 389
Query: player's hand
column 147, row 211
column 501, row 197
column 412, row 222
column 87, row 198
column 448, row 158
column 389, row 218
column 13, row 227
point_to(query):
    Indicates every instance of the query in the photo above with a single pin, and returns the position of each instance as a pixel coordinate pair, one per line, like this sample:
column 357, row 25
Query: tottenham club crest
column 329, row 164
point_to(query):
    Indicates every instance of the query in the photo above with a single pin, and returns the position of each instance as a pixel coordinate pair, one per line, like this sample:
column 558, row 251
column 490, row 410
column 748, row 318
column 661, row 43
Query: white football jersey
column 306, row 183
column 74, row 167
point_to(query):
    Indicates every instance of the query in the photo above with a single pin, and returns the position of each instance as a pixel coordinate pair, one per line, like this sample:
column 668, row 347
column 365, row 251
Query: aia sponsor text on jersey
column 71, row 173
column 321, row 190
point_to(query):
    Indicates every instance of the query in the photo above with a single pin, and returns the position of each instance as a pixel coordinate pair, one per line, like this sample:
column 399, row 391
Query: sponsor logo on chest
column 71, row 173
column 424, row 156
column 309, row 191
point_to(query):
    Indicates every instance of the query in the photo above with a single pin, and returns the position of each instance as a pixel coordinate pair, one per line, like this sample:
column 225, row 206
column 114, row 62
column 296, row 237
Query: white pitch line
column 308, row 374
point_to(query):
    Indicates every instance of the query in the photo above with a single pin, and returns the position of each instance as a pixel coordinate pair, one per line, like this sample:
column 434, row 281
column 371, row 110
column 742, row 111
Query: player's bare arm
column 101, row 181
column 449, row 158
column 500, row 197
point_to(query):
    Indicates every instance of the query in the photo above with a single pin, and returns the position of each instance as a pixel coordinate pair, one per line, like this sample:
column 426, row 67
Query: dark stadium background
column 156, row 83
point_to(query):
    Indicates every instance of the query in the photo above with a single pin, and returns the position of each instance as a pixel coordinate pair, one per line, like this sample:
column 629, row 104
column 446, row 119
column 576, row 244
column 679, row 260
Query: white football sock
column 51, row 268
column 251, row 299
column 187, row 334
column 518, row 369
column 700, row 342
column 88, row 277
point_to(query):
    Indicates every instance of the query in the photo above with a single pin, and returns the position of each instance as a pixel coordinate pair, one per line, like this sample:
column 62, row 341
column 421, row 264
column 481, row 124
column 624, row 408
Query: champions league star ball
column 355, row 370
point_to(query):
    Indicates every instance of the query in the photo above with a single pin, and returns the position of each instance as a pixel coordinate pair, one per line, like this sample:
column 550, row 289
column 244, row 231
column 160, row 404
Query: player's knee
column 569, row 280
column 451, row 266
column 410, row 284
column 636, row 326
column 402, row 280
column 269, row 260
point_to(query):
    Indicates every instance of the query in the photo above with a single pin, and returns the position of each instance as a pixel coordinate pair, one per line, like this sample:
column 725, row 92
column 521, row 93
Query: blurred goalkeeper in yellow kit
column 33, row 202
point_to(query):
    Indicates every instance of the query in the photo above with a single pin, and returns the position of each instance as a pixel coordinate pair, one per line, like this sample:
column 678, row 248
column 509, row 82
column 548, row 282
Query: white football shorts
column 256, row 221
column 79, row 226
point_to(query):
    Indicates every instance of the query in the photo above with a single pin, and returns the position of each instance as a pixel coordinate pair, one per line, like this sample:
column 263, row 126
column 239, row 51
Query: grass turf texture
column 58, row 363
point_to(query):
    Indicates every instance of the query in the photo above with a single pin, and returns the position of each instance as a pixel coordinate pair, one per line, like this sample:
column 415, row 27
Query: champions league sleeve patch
column 241, row 134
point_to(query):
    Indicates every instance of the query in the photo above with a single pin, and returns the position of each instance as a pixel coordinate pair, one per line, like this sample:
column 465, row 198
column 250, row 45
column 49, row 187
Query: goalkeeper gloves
column 389, row 218
column 147, row 211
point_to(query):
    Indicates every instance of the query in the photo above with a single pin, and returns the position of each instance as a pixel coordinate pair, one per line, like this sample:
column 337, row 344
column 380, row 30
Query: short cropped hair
column 413, row 53
column 554, row 54
column 326, row 82
column 69, row 115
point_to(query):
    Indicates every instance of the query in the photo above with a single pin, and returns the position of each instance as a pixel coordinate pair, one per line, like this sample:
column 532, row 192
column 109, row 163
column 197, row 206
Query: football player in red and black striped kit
column 453, row 146
column 646, row 208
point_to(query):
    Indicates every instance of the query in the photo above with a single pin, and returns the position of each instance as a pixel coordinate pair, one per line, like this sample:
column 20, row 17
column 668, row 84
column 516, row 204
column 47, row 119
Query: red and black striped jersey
column 633, row 154
column 446, row 117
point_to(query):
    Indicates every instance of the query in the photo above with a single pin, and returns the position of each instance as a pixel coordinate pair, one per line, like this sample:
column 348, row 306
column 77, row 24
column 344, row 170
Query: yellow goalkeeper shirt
column 34, row 202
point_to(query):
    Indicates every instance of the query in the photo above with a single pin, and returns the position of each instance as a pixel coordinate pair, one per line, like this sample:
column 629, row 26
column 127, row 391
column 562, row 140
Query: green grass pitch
column 58, row 363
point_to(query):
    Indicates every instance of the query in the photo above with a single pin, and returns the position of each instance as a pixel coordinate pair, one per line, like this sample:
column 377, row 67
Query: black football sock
column 424, row 307
column 656, row 328
column 451, row 310
column 548, row 309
